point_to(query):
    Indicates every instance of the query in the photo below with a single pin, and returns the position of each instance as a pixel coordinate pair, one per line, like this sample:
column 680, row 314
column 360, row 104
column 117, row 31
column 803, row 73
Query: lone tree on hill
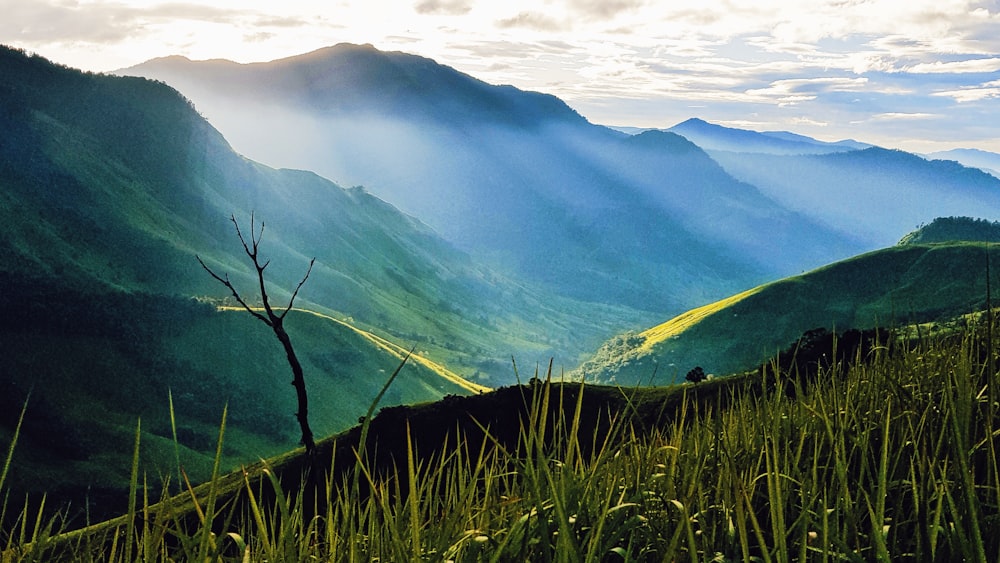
column 696, row 375
column 272, row 319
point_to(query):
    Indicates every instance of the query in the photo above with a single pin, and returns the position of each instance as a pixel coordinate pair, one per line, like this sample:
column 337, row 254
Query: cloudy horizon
column 920, row 75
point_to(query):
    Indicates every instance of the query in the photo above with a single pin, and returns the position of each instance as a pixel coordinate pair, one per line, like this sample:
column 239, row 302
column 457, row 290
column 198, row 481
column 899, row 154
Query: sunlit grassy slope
column 677, row 325
column 92, row 373
column 888, row 455
column 396, row 351
column 886, row 288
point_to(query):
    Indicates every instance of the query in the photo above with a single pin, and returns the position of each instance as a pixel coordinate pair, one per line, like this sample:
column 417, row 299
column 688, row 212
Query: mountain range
column 590, row 212
column 715, row 210
column 484, row 223
column 110, row 188
column 988, row 162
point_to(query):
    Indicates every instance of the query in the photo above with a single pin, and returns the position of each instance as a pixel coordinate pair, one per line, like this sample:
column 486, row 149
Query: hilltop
column 896, row 286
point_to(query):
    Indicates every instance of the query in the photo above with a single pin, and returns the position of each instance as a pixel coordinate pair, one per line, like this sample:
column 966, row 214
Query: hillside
column 90, row 365
column 110, row 186
column 948, row 229
column 988, row 162
column 540, row 193
column 769, row 465
column 874, row 193
column 882, row 289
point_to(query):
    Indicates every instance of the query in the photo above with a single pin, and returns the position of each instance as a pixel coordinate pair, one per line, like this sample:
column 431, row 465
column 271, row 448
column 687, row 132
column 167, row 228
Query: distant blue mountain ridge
column 523, row 182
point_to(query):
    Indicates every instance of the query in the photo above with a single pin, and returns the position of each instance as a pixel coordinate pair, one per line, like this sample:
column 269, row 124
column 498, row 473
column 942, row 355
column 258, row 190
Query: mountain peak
column 711, row 136
column 695, row 122
column 348, row 79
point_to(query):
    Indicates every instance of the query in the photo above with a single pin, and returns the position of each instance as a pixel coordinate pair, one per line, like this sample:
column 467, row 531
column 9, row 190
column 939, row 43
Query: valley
column 489, row 229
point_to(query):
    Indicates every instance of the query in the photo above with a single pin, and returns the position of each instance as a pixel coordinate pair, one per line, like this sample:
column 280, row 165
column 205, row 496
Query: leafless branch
column 276, row 322
column 225, row 281
column 243, row 241
column 298, row 287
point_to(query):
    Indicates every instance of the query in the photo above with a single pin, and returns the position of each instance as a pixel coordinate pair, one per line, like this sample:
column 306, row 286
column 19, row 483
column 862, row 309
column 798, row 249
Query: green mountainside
column 946, row 229
column 110, row 186
column 90, row 365
column 882, row 289
column 515, row 178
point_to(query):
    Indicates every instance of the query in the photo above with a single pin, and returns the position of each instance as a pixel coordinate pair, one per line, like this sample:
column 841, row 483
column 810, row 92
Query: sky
column 919, row 75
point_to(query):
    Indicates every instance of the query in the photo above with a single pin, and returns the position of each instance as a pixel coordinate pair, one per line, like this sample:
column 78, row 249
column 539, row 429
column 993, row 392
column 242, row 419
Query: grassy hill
column 109, row 186
column 886, row 288
column 947, row 229
column 90, row 365
column 888, row 455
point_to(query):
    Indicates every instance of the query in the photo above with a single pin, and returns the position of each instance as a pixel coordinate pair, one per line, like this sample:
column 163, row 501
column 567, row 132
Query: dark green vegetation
column 885, row 451
column 888, row 288
column 109, row 186
column 94, row 363
column 947, row 229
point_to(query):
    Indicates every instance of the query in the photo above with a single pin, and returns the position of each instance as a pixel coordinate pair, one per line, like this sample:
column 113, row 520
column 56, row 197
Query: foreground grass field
column 886, row 454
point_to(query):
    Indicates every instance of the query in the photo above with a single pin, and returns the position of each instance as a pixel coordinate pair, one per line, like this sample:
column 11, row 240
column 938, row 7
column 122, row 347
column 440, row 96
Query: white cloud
column 809, row 63
column 900, row 116
column 450, row 7
column 793, row 91
column 536, row 21
column 991, row 64
column 985, row 91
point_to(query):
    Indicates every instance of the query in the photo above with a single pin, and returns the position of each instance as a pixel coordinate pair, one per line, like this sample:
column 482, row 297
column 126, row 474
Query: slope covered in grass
column 886, row 288
column 888, row 454
column 90, row 365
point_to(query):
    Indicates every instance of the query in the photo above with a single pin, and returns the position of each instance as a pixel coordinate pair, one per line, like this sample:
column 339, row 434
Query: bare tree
column 272, row 319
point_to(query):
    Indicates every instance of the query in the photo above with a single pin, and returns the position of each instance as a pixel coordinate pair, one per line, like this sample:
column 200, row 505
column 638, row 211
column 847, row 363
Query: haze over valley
column 485, row 228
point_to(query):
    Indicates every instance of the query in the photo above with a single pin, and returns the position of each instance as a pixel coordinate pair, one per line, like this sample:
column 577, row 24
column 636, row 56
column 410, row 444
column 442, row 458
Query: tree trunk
column 298, row 381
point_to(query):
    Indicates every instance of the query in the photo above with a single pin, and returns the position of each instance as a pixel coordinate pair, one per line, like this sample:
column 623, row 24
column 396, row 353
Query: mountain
column 109, row 188
column 713, row 137
column 673, row 173
column 118, row 181
column 988, row 162
column 873, row 193
column 346, row 78
column 517, row 179
column 899, row 285
column 849, row 187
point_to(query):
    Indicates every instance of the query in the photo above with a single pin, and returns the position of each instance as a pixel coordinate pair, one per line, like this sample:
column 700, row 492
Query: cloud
column 44, row 22
column 809, row 121
column 443, row 7
column 811, row 63
column 531, row 20
column 991, row 64
column 602, row 9
column 901, row 116
column 796, row 90
column 984, row 91
column 110, row 22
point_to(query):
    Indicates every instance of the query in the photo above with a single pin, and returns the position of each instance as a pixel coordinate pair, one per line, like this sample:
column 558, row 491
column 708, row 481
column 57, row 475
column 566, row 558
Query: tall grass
column 889, row 456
